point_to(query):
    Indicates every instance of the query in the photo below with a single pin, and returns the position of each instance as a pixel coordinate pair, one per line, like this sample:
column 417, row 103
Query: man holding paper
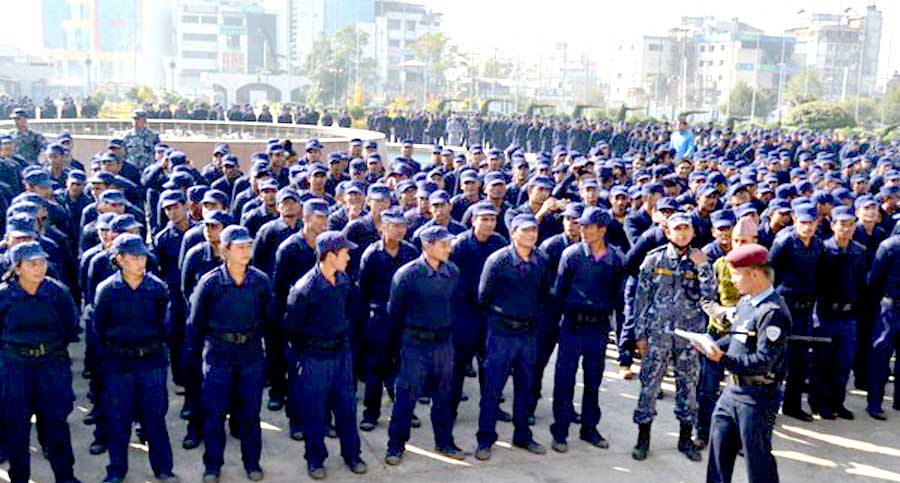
column 755, row 355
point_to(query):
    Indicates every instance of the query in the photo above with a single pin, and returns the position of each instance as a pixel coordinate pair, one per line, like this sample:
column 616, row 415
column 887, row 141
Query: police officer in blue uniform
column 794, row 257
column 756, row 357
column 588, row 288
column 470, row 251
column 230, row 313
column 130, row 324
column 38, row 321
column 379, row 263
column 420, row 300
column 841, row 285
column 884, row 282
column 512, row 291
column 317, row 326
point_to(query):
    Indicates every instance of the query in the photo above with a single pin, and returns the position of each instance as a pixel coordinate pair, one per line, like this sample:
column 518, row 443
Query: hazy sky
column 513, row 25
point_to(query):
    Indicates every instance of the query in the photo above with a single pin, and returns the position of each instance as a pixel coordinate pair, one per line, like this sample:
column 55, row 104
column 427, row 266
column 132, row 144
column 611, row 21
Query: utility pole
column 781, row 76
column 755, row 80
column 562, row 86
column 859, row 68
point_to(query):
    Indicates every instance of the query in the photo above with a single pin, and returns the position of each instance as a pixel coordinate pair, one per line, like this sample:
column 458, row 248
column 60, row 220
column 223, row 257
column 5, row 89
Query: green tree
column 803, row 87
column 819, row 115
column 438, row 54
column 891, row 105
column 740, row 101
column 335, row 64
column 497, row 69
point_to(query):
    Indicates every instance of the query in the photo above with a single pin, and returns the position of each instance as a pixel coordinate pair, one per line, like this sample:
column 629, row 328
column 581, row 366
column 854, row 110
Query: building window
column 190, row 19
column 209, row 20
column 721, row 62
column 394, row 24
column 394, row 43
column 233, row 42
column 654, row 47
column 410, row 25
column 702, row 48
column 199, row 37
column 722, row 47
column 233, row 21
column 192, row 54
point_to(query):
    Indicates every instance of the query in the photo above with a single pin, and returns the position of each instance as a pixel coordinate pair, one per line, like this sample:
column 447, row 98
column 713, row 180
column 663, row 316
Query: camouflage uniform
column 139, row 146
column 28, row 144
column 670, row 288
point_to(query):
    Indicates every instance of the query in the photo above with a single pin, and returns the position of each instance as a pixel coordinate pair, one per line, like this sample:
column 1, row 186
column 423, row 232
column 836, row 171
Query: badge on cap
column 773, row 333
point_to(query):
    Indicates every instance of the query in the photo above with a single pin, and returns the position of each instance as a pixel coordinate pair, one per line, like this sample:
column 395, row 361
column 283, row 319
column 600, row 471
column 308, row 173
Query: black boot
column 686, row 444
column 643, row 442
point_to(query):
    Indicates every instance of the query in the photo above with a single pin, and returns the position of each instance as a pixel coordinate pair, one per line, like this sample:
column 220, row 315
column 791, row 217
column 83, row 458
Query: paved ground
column 861, row 450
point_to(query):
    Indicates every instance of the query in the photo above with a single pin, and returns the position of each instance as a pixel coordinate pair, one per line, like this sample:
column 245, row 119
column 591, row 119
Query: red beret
column 747, row 255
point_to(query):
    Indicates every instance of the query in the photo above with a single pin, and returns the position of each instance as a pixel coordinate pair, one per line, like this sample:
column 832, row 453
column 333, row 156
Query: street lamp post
column 87, row 66
column 172, row 73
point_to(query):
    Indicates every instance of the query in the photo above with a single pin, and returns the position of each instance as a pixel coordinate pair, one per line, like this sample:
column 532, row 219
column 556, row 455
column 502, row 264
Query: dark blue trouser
column 587, row 344
column 137, row 396
column 547, row 337
column 504, row 353
column 175, row 320
column 708, row 391
column 742, row 420
column 421, row 362
column 868, row 317
column 276, row 362
column 625, row 340
column 326, row 382
column 832, row 361
column 381, row 362
column 468, row 342
column 219, row 383
column 42, row 388
column 798, row 355
column 885, row 340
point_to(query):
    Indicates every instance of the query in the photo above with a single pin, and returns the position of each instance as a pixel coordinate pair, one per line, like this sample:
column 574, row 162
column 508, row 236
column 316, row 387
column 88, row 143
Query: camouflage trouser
column 662, row 348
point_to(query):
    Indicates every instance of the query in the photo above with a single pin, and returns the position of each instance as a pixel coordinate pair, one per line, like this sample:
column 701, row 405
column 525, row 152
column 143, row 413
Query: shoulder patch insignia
column 773, row 333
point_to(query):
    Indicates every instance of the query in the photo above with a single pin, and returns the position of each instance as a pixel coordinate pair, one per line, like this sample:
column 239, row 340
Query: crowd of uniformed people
column 312, row 273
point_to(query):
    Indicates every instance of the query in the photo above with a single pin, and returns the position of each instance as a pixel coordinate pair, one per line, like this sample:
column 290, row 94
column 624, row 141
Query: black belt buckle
column 842, row 308
column 39, row 351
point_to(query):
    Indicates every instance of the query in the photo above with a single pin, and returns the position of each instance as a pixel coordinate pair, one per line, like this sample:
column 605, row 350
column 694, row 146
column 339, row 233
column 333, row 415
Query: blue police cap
column 274, row 148
column 354, row 187
column 864, row 201
column 235, row 234
column 394, row 217
column 286, row 194
column 268, row 184
column 678, row 219
column 707, row 189
column 439, row 197
column 356, row 142
column 822, row 197
column 435, row 233
column 332, row 242
column 468, row 175
column 38, row 177
column 31, row 250
column 6, row 139
column 494, row 177
column 805, row 212
column 171, row 197
column 667, row 203
column 178, row 180
column 104, row 219
column 425, row 188
column 780, row 205
column 115, row 143
column 64, row 136
column 484, row 208
column 593, row 215
column 316, row 206
column 215, row 196
column 334, row 157
column 722, row 218
column 378, row 191
column 177, row 158
column 541, row 182
column 573, row 210
column 745, row 209
column 197, row 192
column 317, row 168
column 21, row 226
column 370, row 145
column 230, row 160
column 217, row 217
column 523, row 221
column 113, row 197
column 19, row 113
column 138, row 114
column 57, row 148
column 405, row 185
column 652, row 188
column 313, row 144
column 124, row 222
column 842, row 213
column 76, row 176
column 129, row 244
column 357, row 165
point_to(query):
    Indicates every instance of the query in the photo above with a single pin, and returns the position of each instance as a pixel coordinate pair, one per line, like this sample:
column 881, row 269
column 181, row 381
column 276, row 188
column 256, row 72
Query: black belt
column 757, row 380
column 427, row 335
column 837, row 308
column 139, row 352
column 801, row 304
column 324, row 345
column 35, row 351
column 513, row 324
column 582, row 319
column 239, row 338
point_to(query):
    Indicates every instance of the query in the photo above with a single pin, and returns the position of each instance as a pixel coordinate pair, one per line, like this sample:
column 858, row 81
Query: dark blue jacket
column 219, row 307
column 316, row 311
column 589, row 286
column 469, row 256
column 884, row 276
column 376, row 270
column 293, row 258
column 636, row 224
column 420, row 295
column 47, row 317
column 126, row 318
column 267, row 240
column 795, row 266
column 198, row 262
column 842, row 275
column 513, row 288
